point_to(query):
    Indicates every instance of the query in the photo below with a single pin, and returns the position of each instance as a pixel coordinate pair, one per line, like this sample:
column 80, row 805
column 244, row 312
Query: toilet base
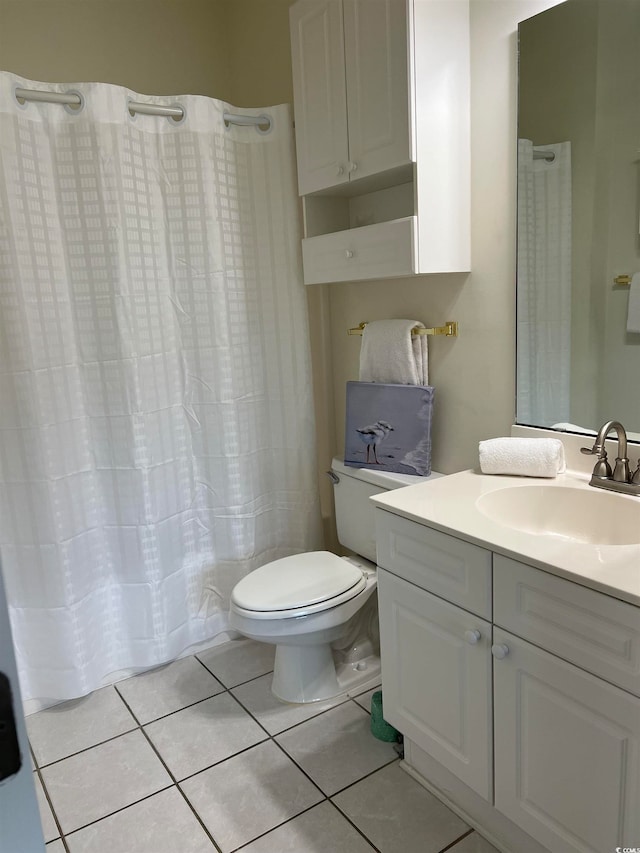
column 304, row 674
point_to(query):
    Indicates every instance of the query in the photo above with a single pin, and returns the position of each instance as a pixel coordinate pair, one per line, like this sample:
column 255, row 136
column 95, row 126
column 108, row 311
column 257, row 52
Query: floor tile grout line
column 198, row 818
column 177, row 711
column 50, row 802
column 366, row 776
column 117, row 811
column 247, row 711
column 172, row 776
column 301, row 722
column 288, row 728
column 139, row 726
column 217, row 677
column 88, row 748
column 355, row 826
column 153, row 747
column 457, row 841
column 222, row 761
column 278, row 826
column 269, row 736
column 177, row 783
column 301, row 769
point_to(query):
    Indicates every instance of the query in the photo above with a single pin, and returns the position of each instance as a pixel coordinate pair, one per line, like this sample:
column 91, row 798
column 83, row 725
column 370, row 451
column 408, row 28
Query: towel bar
column 449, row 330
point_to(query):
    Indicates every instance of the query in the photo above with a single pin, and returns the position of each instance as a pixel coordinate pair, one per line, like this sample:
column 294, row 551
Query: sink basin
column 580, row 515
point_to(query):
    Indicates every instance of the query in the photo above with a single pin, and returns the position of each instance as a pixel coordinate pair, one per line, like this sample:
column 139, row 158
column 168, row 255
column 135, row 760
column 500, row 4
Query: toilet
column 321, row 610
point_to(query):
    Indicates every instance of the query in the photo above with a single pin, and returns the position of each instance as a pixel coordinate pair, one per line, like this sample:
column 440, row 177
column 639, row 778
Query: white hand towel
column 522, row 457
column 633, row 306
column 390, row 353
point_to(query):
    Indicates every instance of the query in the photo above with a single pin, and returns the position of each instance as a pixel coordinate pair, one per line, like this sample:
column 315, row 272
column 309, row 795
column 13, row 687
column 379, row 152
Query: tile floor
column 198, row 756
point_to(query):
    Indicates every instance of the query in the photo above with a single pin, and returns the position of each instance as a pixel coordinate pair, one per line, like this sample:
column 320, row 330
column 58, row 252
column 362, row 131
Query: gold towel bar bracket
column 623, row 280
column 449, row 330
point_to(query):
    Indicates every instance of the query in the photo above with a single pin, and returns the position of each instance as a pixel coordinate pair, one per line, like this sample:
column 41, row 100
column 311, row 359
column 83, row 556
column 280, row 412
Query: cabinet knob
column 353, row 167
column 499, row 651
column 472, row 637
column 340, row 171
column 349, row 253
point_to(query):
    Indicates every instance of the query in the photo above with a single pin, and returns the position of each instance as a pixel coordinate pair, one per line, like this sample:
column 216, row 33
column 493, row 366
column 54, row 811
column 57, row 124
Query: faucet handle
column 591, row 451
column 602, row 469
column 635, row 478
column 621, row 473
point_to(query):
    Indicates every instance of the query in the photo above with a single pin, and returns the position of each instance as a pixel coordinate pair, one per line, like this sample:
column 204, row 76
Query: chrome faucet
column 621, row 479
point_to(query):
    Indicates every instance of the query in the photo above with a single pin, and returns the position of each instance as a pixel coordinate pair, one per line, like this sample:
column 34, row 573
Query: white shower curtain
column 157, row 434
column 544, row 285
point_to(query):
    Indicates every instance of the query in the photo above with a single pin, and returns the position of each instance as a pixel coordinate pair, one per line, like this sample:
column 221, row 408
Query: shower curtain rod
column 549, row 156
column 73, row 99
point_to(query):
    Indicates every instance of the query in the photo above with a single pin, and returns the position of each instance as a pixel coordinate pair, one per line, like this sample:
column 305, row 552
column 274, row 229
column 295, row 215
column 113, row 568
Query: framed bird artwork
column 388, row 427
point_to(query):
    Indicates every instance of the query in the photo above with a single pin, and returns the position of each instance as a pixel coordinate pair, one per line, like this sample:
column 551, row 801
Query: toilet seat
column 298, row 585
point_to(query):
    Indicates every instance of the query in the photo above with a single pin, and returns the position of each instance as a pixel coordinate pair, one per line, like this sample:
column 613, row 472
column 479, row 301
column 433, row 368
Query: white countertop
column 449, row 504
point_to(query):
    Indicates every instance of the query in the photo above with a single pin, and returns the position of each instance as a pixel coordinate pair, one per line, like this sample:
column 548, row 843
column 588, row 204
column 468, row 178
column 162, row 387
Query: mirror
column 578, row 329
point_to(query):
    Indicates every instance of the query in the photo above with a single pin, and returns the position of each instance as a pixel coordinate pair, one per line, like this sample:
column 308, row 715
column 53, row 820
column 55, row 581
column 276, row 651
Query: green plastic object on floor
column 379, row 726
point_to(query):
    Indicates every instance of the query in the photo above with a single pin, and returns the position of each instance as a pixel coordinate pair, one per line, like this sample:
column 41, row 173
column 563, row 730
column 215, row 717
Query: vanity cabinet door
column 567, row 751
column 436, row 678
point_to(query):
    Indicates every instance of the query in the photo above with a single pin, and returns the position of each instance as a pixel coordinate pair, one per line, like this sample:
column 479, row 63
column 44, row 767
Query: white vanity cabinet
column 541, row 720
column 383, row 169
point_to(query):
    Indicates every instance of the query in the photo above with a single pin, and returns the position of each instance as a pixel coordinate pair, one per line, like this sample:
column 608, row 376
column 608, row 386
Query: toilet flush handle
column 333, row 477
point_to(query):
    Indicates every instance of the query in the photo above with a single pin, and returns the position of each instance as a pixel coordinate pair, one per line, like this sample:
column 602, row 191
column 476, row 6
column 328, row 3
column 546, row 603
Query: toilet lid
column 297, row 581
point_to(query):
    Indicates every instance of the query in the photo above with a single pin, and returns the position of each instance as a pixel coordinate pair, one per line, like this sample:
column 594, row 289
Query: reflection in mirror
column 578, row 344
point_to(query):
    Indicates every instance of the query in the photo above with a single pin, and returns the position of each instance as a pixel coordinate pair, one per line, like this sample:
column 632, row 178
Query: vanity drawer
column 373, row 251
column 448, row 567
column 588, row 628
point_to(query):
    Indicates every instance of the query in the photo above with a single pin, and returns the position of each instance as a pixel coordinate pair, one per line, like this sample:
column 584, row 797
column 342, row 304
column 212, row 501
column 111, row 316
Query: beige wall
column 150, row 46
column 259, row 63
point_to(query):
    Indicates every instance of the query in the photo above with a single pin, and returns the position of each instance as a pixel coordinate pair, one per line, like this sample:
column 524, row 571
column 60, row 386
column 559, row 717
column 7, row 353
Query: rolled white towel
column 522, row 457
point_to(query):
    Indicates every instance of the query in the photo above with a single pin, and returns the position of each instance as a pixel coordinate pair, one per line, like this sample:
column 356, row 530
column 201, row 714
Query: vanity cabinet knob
column 340, row 171
column 472, row 637
column 499, row 651
column 349, row 253
column 353, row 167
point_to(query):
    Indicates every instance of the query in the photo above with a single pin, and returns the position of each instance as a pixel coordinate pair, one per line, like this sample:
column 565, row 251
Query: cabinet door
column 319, row 88
column 376, row 56
column 436, row 678
column 567, row 752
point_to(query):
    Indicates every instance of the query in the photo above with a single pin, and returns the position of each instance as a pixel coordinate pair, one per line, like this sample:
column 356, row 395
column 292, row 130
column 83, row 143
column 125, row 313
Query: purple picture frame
column 388, row 427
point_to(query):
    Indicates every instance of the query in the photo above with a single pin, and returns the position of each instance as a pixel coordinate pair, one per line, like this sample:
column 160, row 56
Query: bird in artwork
column 372, row 435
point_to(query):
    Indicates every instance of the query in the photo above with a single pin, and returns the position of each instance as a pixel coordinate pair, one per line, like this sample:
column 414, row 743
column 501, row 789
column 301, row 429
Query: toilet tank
column 354, row 510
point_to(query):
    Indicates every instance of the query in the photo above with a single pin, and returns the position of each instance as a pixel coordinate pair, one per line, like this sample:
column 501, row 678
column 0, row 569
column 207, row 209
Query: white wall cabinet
column 381, row 97
column 542, row 721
